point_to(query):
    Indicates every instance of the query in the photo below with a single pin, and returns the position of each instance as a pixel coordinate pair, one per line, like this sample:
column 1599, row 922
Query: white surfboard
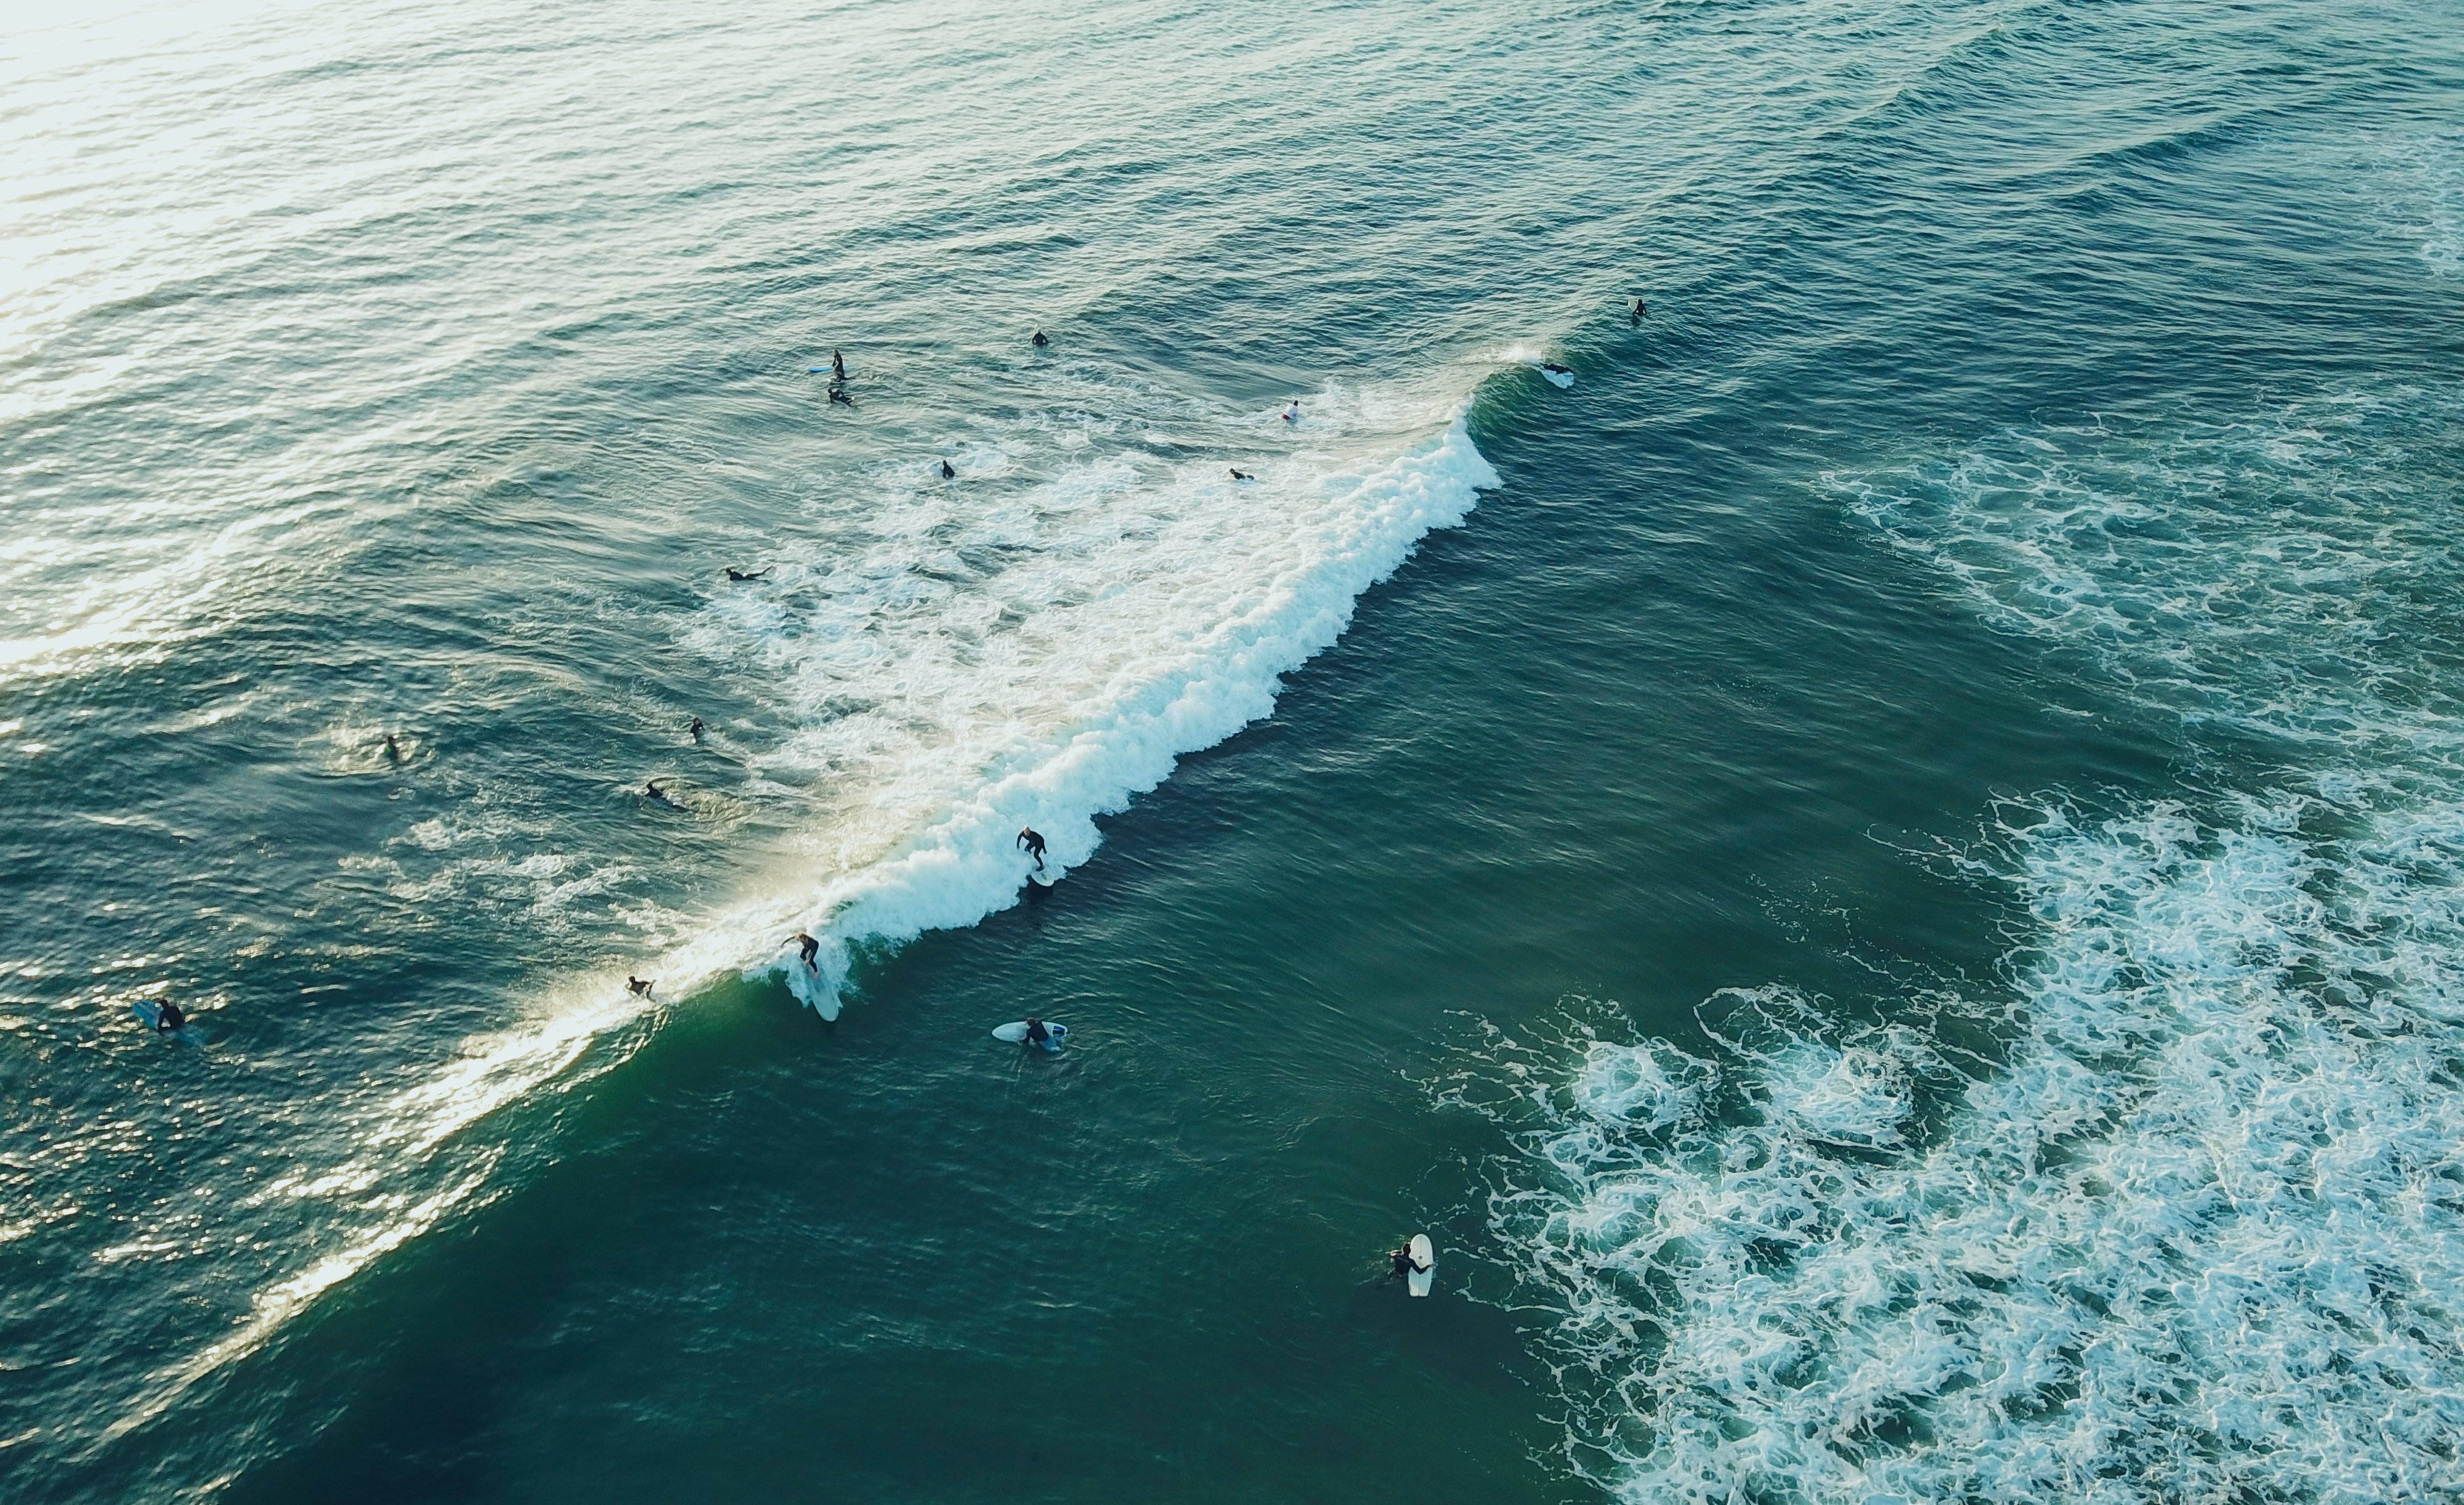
column 806, row 983
column 1426, row 1256
column 1015, row 1033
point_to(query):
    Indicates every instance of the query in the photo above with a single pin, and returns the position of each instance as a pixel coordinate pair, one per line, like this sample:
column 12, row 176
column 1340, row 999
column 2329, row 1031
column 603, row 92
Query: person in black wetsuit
column 807, row 949
column 393, row 749
column 741, row 577
column 1035, row 1032
column 838, row 365
column 637, row 987
column 948, row 473
column 1032, row 844
column 1242, row 475
column 170, row 1020
column 696, row 728
column 1039, row 340
column 1403, row 1265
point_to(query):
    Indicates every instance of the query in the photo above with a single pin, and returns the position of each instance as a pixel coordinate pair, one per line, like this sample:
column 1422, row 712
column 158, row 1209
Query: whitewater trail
column 2196, row 1231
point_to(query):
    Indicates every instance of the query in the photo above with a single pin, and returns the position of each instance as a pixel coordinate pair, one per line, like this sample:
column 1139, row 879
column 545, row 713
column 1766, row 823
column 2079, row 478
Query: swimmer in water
column 807, row 949
column 696, row 729
column 393, row 749
column 1242, row 475
column 1292, row 414
column 637, row 987
column 741, row 577
column 1032, row 844
column 948, row 473
column 1039, row 340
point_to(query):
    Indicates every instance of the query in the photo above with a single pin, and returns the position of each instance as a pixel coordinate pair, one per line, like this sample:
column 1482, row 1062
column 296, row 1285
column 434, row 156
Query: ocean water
column 1883, row 871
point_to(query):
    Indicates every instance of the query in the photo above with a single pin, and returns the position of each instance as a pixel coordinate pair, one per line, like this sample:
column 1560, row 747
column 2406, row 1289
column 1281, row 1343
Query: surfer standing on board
column 807, row 949
column 1032, row 845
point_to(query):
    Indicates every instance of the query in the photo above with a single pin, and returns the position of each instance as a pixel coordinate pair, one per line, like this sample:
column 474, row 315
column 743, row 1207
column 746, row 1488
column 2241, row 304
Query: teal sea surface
column 1874, row 847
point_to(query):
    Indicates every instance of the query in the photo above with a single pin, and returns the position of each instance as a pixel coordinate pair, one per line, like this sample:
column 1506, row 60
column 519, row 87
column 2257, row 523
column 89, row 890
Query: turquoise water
column 1884, row 872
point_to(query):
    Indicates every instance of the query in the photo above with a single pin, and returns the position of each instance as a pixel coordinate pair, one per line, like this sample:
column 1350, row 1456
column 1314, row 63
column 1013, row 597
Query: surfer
column 1240, row 475
column 393, row 749
column 1554, row 370
column 1039, row 340
column 838, row 365
column 694, row 730
column 170, row 1020
column 838, row 394
column 1403, row 1265
column 1035, row 1032
column 1639, row 312
column 652, row 792
column 1032, row 844
column 948, row 473
column 741, row 577
column 807, row 949
column 637, row 987
column 1292, row 414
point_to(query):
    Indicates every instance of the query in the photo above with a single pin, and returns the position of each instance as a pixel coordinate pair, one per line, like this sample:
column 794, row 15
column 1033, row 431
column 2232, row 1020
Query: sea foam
column 958, row 665
column 2196, row 1229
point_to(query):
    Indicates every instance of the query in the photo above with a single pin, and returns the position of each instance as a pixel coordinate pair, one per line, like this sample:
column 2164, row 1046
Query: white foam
column 2197, row 1231
column 960, row 666
column 2423, row 199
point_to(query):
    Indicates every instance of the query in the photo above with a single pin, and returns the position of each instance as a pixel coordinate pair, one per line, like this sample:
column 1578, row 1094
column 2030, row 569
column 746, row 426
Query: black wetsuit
column 1035, row 1032
column 809, row 947
column 171, row 1018
column 1034, row 846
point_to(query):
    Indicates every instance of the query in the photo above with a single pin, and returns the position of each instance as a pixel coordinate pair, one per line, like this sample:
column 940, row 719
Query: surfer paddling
column 741, row 577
